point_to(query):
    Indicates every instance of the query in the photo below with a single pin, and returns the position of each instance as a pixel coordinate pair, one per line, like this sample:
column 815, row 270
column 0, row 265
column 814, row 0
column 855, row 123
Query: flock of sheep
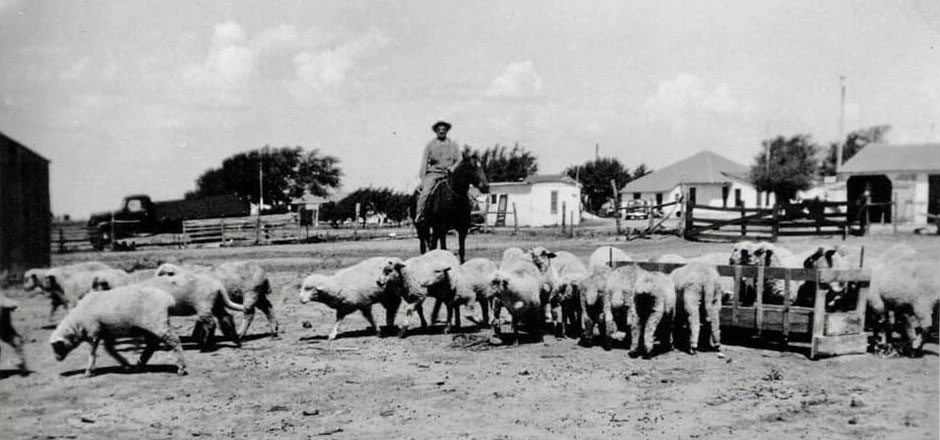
column 541, row 290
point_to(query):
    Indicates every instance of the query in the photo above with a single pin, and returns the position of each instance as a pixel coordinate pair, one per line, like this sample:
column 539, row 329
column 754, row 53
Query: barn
column 539, row 200
column 25, row 220
column 718, row 181
column 908, row 174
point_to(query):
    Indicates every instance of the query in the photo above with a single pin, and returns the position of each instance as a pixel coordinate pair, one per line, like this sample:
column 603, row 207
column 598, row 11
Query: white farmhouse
column 906, row 174
column 717, row 180
column 540, row 200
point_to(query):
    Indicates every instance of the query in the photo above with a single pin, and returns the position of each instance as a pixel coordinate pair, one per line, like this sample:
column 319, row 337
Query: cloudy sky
column 143, row 96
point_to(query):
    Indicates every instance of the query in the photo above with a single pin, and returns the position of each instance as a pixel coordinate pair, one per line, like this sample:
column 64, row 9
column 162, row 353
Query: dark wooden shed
column 25, row 219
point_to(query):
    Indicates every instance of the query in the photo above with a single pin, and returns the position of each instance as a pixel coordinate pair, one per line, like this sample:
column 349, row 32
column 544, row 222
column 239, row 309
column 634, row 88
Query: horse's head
column 470, row 172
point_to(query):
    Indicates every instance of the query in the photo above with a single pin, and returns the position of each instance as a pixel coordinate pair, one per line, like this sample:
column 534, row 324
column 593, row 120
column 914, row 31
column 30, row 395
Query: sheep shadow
column 257, row 336
column 117, row 369
column 5, row 373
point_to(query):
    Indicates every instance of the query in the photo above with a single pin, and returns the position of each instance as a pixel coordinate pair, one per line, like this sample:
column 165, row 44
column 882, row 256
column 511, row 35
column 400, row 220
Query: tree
column 595, row 177
column 288, row 172
column 641, row 171
column 503, row 165
column 792, row 166
column 854, row 143
column 396, row 206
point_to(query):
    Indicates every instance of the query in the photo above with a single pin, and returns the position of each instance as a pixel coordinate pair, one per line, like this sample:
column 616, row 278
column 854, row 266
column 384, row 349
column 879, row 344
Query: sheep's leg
column 649, row 330
column 267, row 308
column 587, row 326
column 227, row 325
column 436, row 311
column 367, row 313
column 450, row 317
column 92, row 355
column 247, row 317
column 170, row 339
column 340, row 314
column 207, row 324
column 691, row 304
column 109, row 347
column 391, row 309
column 558, row 321
column 635, row 332
column 484, row 310
column 419, row 309
column 153, row 342
column 712, row 317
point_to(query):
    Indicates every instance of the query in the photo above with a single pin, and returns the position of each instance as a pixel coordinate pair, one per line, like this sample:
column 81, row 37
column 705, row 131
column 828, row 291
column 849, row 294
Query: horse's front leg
column 461, row 242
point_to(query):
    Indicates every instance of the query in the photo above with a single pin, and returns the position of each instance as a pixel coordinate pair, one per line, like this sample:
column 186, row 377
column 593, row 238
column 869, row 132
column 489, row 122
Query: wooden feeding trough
column 830, row 332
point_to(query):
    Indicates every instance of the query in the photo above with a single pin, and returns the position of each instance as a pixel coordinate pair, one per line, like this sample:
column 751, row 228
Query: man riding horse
column 443, row 203
column 441, row 156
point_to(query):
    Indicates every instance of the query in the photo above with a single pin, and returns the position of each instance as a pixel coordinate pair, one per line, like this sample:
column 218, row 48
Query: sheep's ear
column 550, row 255
column 447, row 270
column 810, row 261
column 53, row 282
column 398, row 265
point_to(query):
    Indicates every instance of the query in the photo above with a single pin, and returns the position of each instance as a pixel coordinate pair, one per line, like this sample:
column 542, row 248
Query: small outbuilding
column 25, row 217
column 718, row 181
column 907, row 174
column 540, row 200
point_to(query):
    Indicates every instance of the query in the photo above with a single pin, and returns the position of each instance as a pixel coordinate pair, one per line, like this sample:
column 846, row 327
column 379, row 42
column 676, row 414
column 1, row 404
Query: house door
column 933, row 194
column 501, row 210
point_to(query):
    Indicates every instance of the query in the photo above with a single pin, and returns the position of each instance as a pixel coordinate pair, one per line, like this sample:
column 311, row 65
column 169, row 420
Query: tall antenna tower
column 841, row 139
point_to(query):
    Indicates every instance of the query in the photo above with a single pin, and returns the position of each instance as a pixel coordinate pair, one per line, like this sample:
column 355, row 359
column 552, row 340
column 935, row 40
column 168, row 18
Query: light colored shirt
column 439, row 157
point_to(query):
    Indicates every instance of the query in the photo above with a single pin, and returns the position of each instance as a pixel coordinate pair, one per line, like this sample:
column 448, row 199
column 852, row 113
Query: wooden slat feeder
column 829, row 333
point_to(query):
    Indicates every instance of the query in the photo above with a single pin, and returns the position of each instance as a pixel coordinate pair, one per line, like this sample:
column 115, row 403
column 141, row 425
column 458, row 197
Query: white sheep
column 248, row 284
column 564, row 302
column 606, row 296
column 698, row 288
column 654, row 303
column 9, row 334
column 201, row 295
column 109, row 279
column 604, row 255
column 125, row 311
column 35, row 278
column 909, row 289
column 520, row 293
column 354, row 288
column 421, row 277
column 66, row 286
column 471, row 282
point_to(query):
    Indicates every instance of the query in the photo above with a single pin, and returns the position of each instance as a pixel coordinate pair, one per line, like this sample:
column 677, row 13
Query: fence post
column 894, row 211
column 61, row 242
column 743, row 224
column 689, row 206
column 486, row 215
column 775, row 229
column 564, row 214
column 571, row 224
column 515, row 220
column 613, row 185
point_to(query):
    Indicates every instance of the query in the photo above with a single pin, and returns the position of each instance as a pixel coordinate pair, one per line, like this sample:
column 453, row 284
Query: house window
column 737, row 198
column 724, row 196
column 636, row 196
column 493, row 198
column 554, row 202
column 659, row 198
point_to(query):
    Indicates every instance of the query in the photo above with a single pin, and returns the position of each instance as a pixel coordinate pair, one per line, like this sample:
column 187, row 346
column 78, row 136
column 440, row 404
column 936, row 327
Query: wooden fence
column 69, row 236
column 830, row 332
column 813, row 217
column 275, row 228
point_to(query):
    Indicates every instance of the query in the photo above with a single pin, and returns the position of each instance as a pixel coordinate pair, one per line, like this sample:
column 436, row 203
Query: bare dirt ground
column 431, row 385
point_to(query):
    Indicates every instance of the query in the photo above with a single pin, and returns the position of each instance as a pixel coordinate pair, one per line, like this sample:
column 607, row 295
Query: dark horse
column 449, row 206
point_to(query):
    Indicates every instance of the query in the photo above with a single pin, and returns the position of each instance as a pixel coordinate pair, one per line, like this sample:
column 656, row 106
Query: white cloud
column 520, row 80
column 227, row 70
column 687, row 104
column 329, row 68
column 228, row 33
column 76, row 70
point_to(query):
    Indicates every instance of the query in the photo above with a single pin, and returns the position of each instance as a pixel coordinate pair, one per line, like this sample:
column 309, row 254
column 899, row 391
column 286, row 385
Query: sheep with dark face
column 471, row 282
column 518, row 285
column 424, row 276
column 124, row 311
column 355, row 288
column 698, row 288
column 38, row 279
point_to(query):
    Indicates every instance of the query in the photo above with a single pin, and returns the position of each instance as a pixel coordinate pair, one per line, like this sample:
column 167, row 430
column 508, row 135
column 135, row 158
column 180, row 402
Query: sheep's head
column 168, row 270
column 315, row 286
column 101, row 282
column 63, row 341
column 31, row 279
column 541, row 257
column 765, row 254
column 437, row 276
column 391, row 274
column 742, row 254
column 53, row 282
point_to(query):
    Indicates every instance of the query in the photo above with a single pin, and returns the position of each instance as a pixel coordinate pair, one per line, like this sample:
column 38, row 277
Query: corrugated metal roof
column 876, row 158
column 703, row 167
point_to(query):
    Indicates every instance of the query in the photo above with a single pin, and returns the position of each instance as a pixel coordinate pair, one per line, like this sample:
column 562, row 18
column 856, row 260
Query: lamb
column 125, row 311
column 604, row 255
column 201, row 295
column 799, row 294
column 654, row 303
column 698, row 287
column 606, row 296
column 36, row 278
column 354, row 288
column 910, row 289
column 9, row 335
column 564, row 301
column 471, row 282
column 65, row 287
column 519, row 285
column 420, row 277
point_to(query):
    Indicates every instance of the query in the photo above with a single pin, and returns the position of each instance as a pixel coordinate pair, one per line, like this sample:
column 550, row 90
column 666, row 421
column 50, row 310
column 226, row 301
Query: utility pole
column 597, row 151
column 841, row 139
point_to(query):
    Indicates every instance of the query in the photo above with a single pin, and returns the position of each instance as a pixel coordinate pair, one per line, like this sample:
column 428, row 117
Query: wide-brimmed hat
column 440, row 122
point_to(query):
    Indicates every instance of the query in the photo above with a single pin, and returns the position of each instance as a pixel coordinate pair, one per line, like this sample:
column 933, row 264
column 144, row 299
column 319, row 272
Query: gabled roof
column 541, row 178
column 703, row 167
column 876, row 158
